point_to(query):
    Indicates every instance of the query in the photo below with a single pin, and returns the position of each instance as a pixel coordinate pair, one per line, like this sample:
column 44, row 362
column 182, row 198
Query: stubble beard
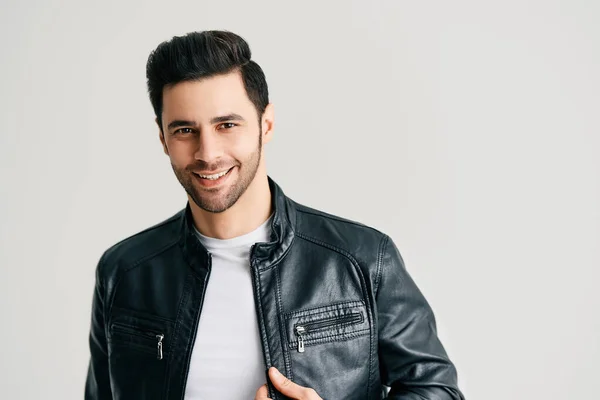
column 221, row 199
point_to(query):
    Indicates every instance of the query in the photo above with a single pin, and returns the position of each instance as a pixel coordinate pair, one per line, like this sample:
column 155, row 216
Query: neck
column 251, row 210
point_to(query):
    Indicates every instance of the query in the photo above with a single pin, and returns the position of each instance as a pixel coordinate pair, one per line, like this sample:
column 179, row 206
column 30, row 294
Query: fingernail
column 277, row 373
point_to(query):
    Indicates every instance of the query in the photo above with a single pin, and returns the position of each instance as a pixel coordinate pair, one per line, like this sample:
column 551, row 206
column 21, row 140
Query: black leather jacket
column 337, row 311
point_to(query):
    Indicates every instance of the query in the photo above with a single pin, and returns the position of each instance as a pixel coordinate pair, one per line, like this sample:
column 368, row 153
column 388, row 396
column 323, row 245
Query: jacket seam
column 279, row 259
column 149, row 256
column 171, row 220
column 382, row 246
column 176, row 329
column 337, row 219
column 319, row 309
column 185, row 371
column 330, row 247
column 282, row 331
column 262, row 327
column 103, row 291
column 143, row 315
column 336, row 337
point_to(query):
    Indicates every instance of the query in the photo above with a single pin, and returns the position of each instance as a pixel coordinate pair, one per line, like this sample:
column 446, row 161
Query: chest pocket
column 142, row 338
column 139, row 349
column 337, row 322
column 330, row 349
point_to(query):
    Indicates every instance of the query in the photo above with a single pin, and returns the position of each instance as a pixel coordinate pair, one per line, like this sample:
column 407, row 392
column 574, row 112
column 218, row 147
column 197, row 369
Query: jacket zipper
column 260, row 319
column 143, row 333
column 302, row 330
column 197, row 323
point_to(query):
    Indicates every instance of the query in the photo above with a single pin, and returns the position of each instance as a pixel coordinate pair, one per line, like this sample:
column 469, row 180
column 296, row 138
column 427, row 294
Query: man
column 245, row 293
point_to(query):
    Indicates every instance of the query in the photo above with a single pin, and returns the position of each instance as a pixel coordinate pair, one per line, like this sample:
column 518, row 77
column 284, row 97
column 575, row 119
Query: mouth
column 213, row 179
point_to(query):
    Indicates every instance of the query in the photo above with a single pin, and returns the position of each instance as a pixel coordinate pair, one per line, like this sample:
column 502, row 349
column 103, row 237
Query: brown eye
column 227, row 125
column 184, row 130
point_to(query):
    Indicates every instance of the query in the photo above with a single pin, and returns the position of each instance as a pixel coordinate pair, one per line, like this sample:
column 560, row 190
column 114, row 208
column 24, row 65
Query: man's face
column 213, row 136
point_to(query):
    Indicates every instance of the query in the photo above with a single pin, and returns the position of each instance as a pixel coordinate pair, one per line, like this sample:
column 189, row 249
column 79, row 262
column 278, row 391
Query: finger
column 262, row 393
column 289, row 388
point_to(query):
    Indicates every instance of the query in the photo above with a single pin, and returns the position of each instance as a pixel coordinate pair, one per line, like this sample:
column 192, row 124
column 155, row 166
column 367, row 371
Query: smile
column 214, row 177
column 213, row 180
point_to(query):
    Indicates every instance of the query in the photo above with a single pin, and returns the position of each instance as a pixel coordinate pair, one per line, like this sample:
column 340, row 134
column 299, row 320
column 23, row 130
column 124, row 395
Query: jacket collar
column 264, row 254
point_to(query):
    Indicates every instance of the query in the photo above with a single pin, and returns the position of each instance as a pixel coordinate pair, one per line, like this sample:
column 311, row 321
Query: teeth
column 213, row 177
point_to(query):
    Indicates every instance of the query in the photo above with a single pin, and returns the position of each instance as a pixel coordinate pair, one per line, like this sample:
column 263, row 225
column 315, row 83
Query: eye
column 184, row 130
column 227, row 125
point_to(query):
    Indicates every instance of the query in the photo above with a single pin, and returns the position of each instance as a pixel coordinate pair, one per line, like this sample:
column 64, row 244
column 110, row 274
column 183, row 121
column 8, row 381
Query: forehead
column 206, row 98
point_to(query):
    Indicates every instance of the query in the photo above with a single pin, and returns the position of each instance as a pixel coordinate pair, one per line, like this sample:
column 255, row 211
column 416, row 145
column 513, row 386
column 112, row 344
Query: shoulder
column 140, row 246
column 322, row 228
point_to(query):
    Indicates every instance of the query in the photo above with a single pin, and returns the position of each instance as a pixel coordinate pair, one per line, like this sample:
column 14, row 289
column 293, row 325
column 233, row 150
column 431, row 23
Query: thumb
column 262, row 393
column 287, row 387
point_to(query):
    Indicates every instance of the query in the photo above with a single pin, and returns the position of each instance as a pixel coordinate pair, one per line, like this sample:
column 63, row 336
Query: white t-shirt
column 227, row 360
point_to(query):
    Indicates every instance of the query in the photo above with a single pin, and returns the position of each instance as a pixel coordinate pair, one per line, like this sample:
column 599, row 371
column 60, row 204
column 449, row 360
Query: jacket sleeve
column 413, row 362
column 97, row 385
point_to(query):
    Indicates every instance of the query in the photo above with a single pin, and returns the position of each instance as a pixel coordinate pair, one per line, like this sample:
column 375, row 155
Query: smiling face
column 213, row 136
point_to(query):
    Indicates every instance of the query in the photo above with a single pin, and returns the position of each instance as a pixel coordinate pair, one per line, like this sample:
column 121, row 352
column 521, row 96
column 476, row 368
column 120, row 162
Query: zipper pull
column 159, row 354
column 300, row 331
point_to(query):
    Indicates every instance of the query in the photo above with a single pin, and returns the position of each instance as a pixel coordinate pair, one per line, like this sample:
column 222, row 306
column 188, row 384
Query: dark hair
column 198, row 55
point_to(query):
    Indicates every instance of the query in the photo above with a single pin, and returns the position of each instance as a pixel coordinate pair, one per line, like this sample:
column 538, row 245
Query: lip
column 207, row 183
column 211, row 172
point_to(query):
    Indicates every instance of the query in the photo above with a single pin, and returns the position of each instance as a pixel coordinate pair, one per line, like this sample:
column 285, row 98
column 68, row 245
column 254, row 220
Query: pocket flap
column 340, row 321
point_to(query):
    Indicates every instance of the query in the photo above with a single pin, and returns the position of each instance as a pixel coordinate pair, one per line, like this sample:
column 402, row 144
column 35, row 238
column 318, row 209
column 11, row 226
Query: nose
column 209, row 147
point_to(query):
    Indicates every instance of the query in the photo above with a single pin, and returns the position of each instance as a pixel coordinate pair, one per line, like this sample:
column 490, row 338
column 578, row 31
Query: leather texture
column 337, row 311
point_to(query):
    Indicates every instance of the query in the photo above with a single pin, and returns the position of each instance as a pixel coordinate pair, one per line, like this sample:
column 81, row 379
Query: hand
column 286, row 387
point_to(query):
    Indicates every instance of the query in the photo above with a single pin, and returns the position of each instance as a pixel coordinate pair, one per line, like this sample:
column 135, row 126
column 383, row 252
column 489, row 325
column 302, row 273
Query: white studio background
column 466, row 130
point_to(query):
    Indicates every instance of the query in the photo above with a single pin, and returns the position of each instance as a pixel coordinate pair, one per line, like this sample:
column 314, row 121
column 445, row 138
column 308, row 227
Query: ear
column 161, row 136
column 267, row 123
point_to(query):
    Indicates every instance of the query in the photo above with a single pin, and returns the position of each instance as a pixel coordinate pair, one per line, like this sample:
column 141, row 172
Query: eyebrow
column 228, row 117
column 222, row 118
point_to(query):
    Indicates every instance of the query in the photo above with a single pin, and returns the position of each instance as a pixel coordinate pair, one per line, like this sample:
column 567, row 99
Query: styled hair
column 199, row 55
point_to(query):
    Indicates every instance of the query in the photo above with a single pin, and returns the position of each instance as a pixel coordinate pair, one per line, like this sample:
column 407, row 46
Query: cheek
column 180, row 155
column 244, row 147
